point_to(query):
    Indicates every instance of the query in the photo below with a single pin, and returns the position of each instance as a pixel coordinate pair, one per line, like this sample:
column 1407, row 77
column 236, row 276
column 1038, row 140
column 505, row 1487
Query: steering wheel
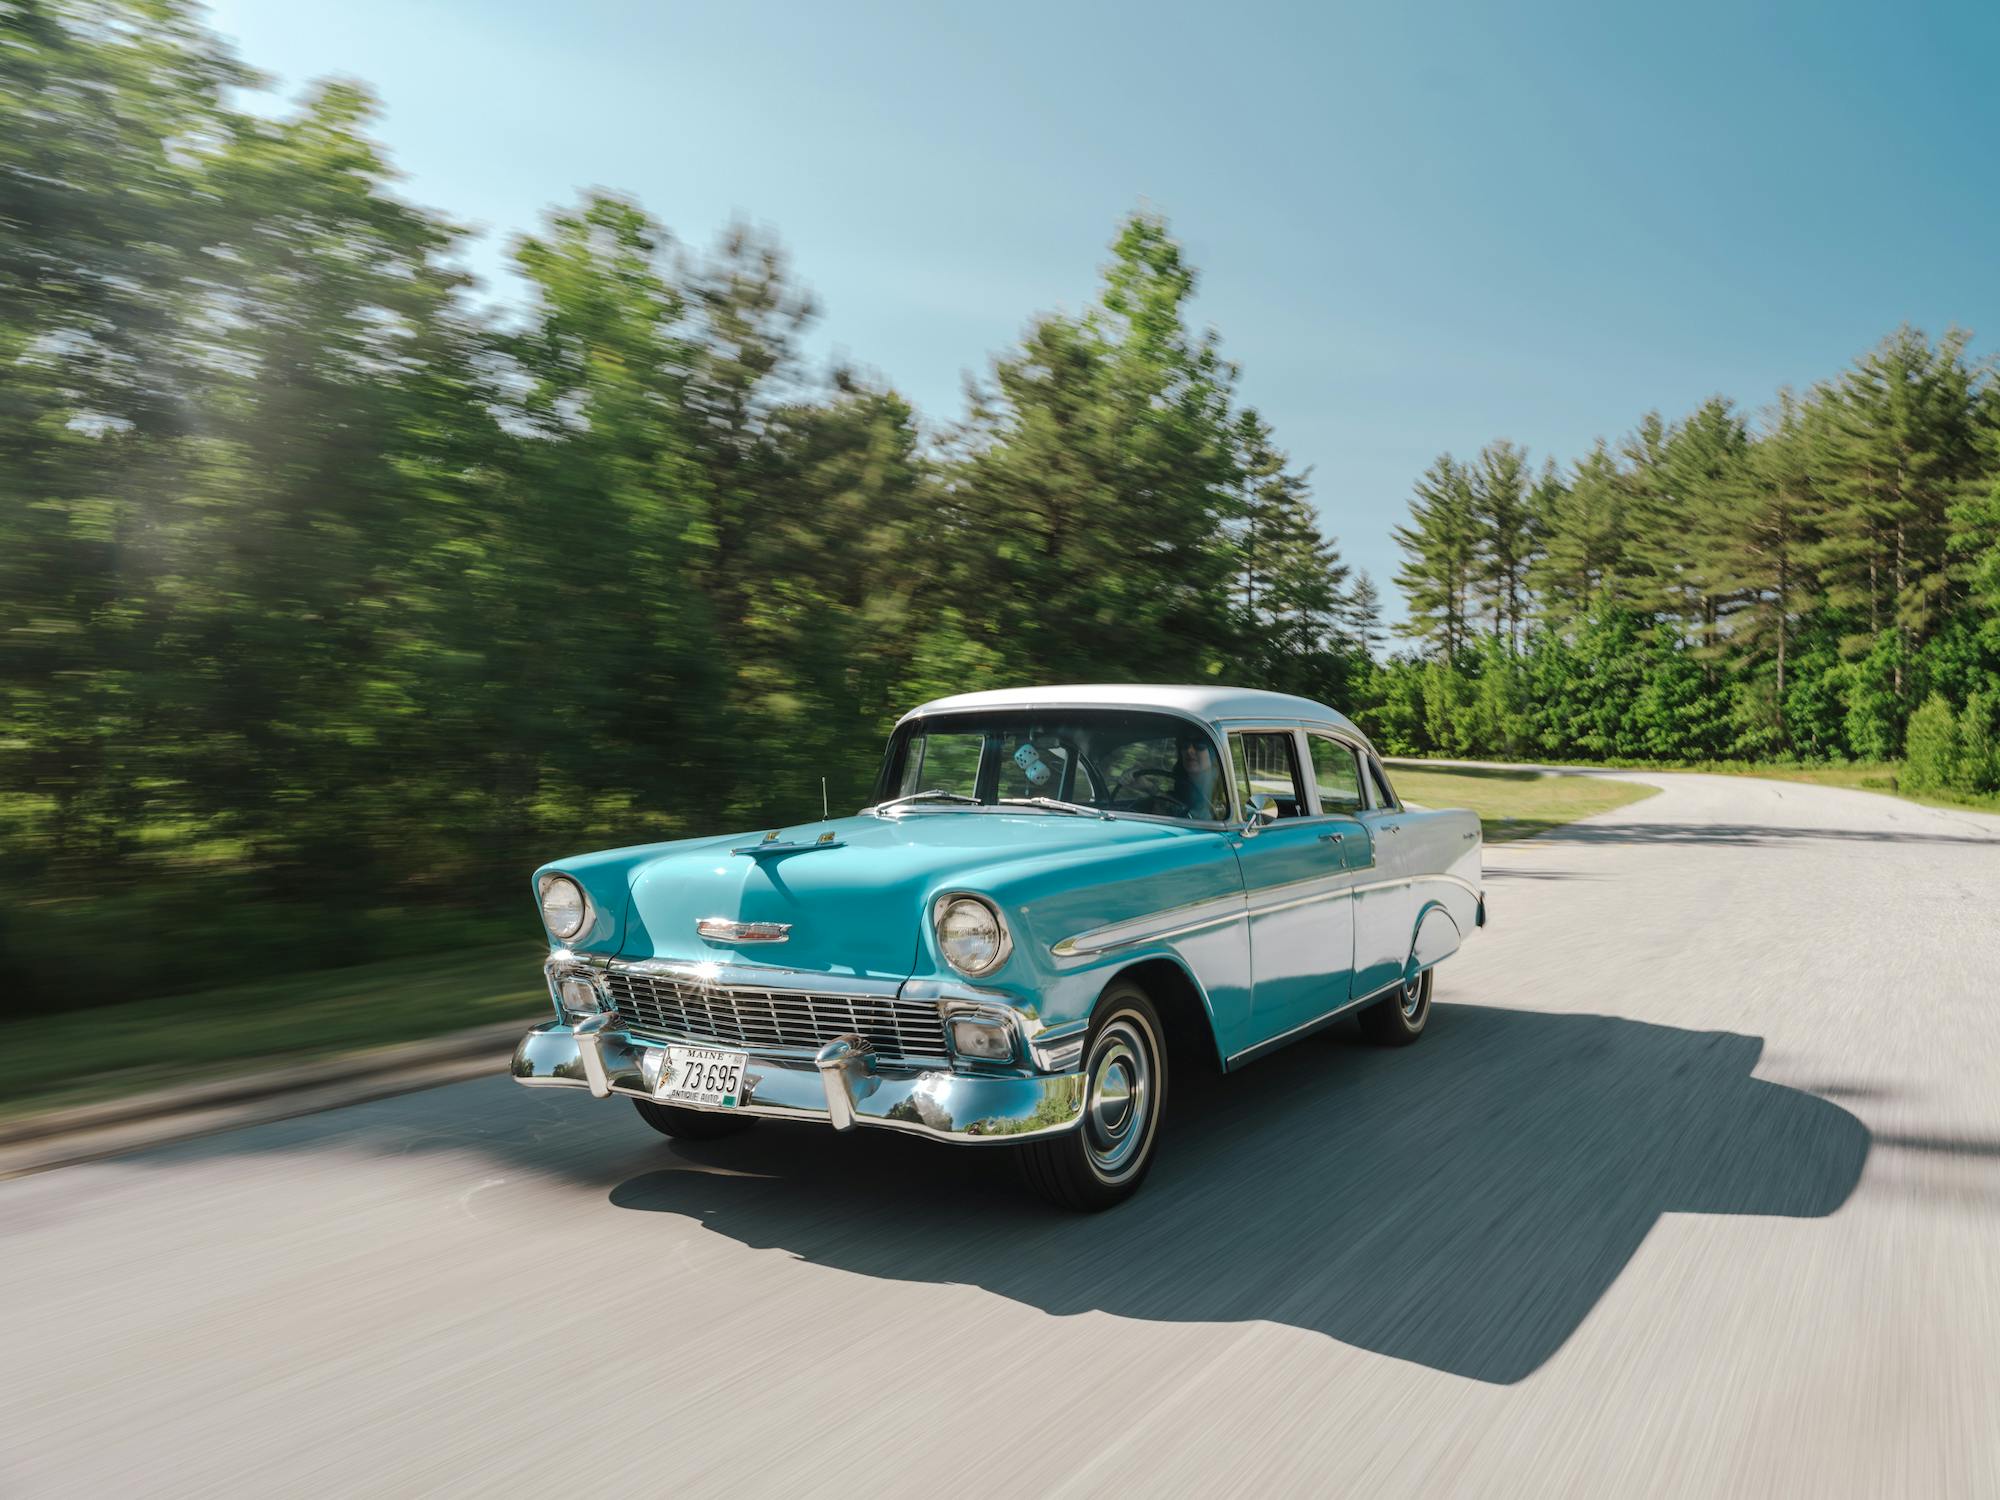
column 1134, row 782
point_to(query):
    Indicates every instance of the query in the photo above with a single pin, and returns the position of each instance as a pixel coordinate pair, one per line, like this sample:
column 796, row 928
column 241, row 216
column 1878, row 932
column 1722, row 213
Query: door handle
column 1330, row 838
column 1392, row 827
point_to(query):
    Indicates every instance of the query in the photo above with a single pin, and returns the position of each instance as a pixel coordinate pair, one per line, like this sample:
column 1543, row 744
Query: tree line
column 332, row 601
column 1819, row 583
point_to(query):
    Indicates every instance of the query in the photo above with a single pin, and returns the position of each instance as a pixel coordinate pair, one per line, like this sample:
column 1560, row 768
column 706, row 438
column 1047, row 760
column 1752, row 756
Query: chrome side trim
column 1171, row 921
column 1060, row 1048
column 1324, row 889
column 1175, row 921
column 1382, row 885
column 1269, row 1044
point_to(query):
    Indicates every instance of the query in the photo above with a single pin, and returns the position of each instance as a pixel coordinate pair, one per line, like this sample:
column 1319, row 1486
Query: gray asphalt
column 1693, row 1188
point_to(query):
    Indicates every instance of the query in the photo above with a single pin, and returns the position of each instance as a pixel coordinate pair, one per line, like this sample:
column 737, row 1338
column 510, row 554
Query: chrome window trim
column 1382, row 772
column 1232, row 727
column 1361, row 758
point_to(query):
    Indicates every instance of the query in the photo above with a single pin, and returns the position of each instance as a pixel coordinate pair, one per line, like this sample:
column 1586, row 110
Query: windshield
column 1113, row 760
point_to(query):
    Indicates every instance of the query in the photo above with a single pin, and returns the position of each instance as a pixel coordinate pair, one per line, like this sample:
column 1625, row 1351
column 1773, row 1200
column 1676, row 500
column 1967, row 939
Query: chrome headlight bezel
column 1003, row 945
column 586, row 913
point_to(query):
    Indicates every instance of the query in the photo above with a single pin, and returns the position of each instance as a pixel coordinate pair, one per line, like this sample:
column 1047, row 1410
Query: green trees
column 1441, row 562
column 330, row 603
column 1713, row 589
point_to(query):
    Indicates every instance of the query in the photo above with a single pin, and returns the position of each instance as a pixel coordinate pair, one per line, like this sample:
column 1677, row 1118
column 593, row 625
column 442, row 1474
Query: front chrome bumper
column 845, row 1085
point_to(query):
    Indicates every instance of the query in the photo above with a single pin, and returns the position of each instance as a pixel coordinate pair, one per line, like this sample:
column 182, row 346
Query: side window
column 1383, row 796
column 1266, row 765
column 1337, row 774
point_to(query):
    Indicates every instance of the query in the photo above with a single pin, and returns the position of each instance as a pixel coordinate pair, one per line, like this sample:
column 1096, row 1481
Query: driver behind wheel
column 1197, row 786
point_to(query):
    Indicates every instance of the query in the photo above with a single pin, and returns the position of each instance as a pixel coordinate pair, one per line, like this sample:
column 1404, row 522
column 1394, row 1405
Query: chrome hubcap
column 1413, row 996
column 1117, row 1115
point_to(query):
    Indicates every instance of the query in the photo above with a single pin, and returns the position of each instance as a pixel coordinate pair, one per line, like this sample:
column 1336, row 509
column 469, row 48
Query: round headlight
column 971, row 936
column 563, row 907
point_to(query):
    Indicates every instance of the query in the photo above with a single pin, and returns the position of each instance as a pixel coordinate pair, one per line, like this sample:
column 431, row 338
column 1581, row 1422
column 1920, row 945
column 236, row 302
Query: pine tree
column 1585, row 562
column 1509, row 536
column 1099, row 471
column 1755, row 547
column 1440, row 558
column 1363, row 618
column 1897, row 446
column 1293, row 581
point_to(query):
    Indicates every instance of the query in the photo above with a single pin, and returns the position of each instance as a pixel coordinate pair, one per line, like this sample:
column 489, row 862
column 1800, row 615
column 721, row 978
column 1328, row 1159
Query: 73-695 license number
column 702, row 1075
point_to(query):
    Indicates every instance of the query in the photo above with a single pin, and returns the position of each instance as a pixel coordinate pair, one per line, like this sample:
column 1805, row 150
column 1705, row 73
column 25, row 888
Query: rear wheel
column 690, row 1124
column 1103, row 1160
column 1398, row 1018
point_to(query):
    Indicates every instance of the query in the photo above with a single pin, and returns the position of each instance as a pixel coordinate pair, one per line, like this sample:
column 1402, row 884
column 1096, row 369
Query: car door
column 1295, row 878
column 1384, row 910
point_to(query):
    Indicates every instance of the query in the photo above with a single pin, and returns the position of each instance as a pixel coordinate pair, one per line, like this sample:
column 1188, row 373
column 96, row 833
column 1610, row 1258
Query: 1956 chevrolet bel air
column 1055, row 891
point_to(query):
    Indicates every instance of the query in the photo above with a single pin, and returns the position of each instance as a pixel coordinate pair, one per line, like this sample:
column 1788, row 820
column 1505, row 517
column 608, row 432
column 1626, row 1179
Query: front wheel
column 1398, row 1019
column 690, row 1124
column 1102, row 1161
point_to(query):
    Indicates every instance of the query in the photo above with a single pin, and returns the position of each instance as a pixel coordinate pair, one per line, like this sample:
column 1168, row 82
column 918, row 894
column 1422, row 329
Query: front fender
column 1078, row 923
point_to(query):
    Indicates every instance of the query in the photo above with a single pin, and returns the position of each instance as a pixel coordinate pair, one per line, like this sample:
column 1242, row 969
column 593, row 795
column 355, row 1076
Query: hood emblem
column 723, row 930
column 770, row 843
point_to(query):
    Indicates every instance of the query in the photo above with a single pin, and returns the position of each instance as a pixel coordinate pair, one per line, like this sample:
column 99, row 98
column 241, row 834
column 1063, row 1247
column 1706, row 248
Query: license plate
column 702, row 1075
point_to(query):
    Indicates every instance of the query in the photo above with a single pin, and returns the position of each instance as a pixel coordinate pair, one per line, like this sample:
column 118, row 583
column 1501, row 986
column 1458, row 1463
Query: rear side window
column 1383, row 796
column 1337, row 774
column 1266, row 765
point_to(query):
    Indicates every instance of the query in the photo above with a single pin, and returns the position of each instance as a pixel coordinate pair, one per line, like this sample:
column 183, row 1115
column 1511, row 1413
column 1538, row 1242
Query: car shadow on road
column 1462, row 1204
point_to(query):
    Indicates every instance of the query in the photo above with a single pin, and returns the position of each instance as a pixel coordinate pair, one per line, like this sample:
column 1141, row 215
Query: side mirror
column 1263, row 809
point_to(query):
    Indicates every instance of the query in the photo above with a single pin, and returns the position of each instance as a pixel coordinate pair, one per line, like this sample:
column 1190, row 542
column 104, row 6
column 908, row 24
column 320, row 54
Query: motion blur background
column 339, row 589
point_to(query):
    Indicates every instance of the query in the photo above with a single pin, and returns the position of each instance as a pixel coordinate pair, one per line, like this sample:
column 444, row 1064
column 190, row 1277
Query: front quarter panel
column 1079, row 921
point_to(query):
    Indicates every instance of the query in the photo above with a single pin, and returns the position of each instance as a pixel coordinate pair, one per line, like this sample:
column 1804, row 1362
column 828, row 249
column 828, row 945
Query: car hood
column 856, row 903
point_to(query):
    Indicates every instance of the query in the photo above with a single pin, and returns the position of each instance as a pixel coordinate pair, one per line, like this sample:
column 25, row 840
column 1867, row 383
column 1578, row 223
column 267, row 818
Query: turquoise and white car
column 1056, row 891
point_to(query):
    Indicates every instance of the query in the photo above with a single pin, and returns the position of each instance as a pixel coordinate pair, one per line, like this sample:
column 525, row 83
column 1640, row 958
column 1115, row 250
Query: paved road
column 1694, row 1188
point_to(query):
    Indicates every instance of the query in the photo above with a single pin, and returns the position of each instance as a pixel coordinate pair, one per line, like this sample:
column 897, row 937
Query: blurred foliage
column 330, row 605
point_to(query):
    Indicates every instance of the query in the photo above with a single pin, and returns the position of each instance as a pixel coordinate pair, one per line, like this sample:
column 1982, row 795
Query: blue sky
column 1420, row 227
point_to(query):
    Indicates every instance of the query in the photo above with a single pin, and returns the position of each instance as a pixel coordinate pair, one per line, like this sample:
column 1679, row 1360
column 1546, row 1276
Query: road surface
column 1693, row 1188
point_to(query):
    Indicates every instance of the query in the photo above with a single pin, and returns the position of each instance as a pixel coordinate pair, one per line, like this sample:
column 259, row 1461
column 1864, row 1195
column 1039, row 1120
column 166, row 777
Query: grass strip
column 74, row 1057
column 1515, row 803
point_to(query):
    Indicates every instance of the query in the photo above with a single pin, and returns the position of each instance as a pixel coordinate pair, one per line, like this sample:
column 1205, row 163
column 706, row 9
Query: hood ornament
column 770, row 843
column 724, row 930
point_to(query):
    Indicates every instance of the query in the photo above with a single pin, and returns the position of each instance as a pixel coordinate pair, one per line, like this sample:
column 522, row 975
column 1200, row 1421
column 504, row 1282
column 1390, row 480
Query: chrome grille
column 680, row 1010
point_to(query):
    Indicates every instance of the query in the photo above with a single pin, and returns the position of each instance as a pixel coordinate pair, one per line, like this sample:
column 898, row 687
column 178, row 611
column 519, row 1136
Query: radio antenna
column 824, row 810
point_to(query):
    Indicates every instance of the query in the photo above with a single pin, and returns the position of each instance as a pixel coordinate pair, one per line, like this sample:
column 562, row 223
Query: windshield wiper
column 935, row 794
column 1056, row 804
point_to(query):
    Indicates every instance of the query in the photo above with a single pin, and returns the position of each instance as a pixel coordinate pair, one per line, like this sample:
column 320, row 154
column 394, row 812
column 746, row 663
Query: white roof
column 1212, row 702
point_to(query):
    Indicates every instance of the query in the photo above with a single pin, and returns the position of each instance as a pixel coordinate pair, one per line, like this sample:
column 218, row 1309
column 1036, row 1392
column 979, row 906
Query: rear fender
column 1435, row 939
